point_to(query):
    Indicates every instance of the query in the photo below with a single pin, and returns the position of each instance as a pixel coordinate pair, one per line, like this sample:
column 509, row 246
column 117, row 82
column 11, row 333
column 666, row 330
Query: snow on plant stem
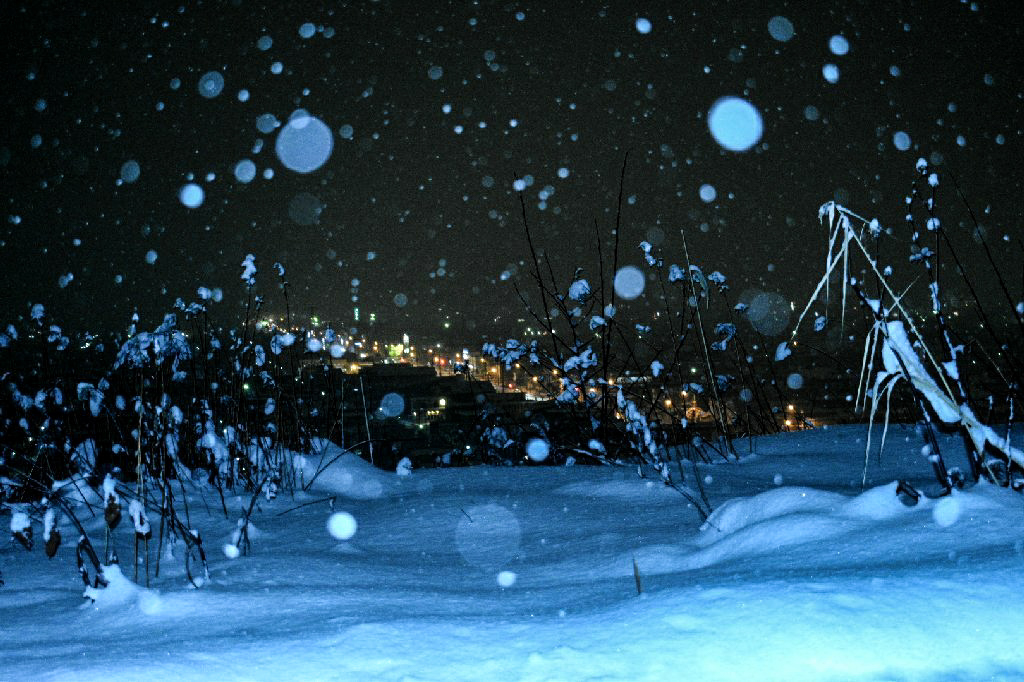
column 900, row 359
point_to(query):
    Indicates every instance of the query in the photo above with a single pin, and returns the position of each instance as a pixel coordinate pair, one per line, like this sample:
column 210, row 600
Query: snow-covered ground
column 527, row 574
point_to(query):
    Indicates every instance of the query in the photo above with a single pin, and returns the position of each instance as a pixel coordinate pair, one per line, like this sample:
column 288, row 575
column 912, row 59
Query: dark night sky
column 436, row 209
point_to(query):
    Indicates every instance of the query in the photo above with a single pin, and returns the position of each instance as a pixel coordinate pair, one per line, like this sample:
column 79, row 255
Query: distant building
column 411, row 410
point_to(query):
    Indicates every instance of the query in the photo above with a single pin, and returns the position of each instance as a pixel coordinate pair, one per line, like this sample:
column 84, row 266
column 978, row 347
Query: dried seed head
column 52, row 543
column 24, row 536
column 112, row 513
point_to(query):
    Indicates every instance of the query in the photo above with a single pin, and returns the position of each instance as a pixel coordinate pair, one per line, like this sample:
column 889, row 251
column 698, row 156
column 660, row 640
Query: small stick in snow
column 306, row 504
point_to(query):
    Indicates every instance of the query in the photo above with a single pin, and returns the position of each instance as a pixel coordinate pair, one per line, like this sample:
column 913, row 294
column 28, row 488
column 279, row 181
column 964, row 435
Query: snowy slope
column 527, row 574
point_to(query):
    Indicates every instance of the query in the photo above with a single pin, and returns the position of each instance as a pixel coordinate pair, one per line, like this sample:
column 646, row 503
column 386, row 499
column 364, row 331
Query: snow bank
column 775, row 520
column 526, row 573
column 737, row 514
column 620, row 490
column 348, row 474
column 76, row 491
column 787, row 517
column 740, row 513
column 121, row 592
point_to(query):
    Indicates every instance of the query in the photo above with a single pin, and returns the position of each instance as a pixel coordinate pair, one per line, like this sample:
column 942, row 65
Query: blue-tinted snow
column 780, row 28
column 838, row 45
column 245, row 171
column 707, row 193
column 130, row 171
column 901, row 140
column 537, row 449
column 527, row 573
column 392, row 405
column 211, row 84
column 191, row 195
column 735, row 123
column 629, row 282
column 267, row 123
column 304, row 143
